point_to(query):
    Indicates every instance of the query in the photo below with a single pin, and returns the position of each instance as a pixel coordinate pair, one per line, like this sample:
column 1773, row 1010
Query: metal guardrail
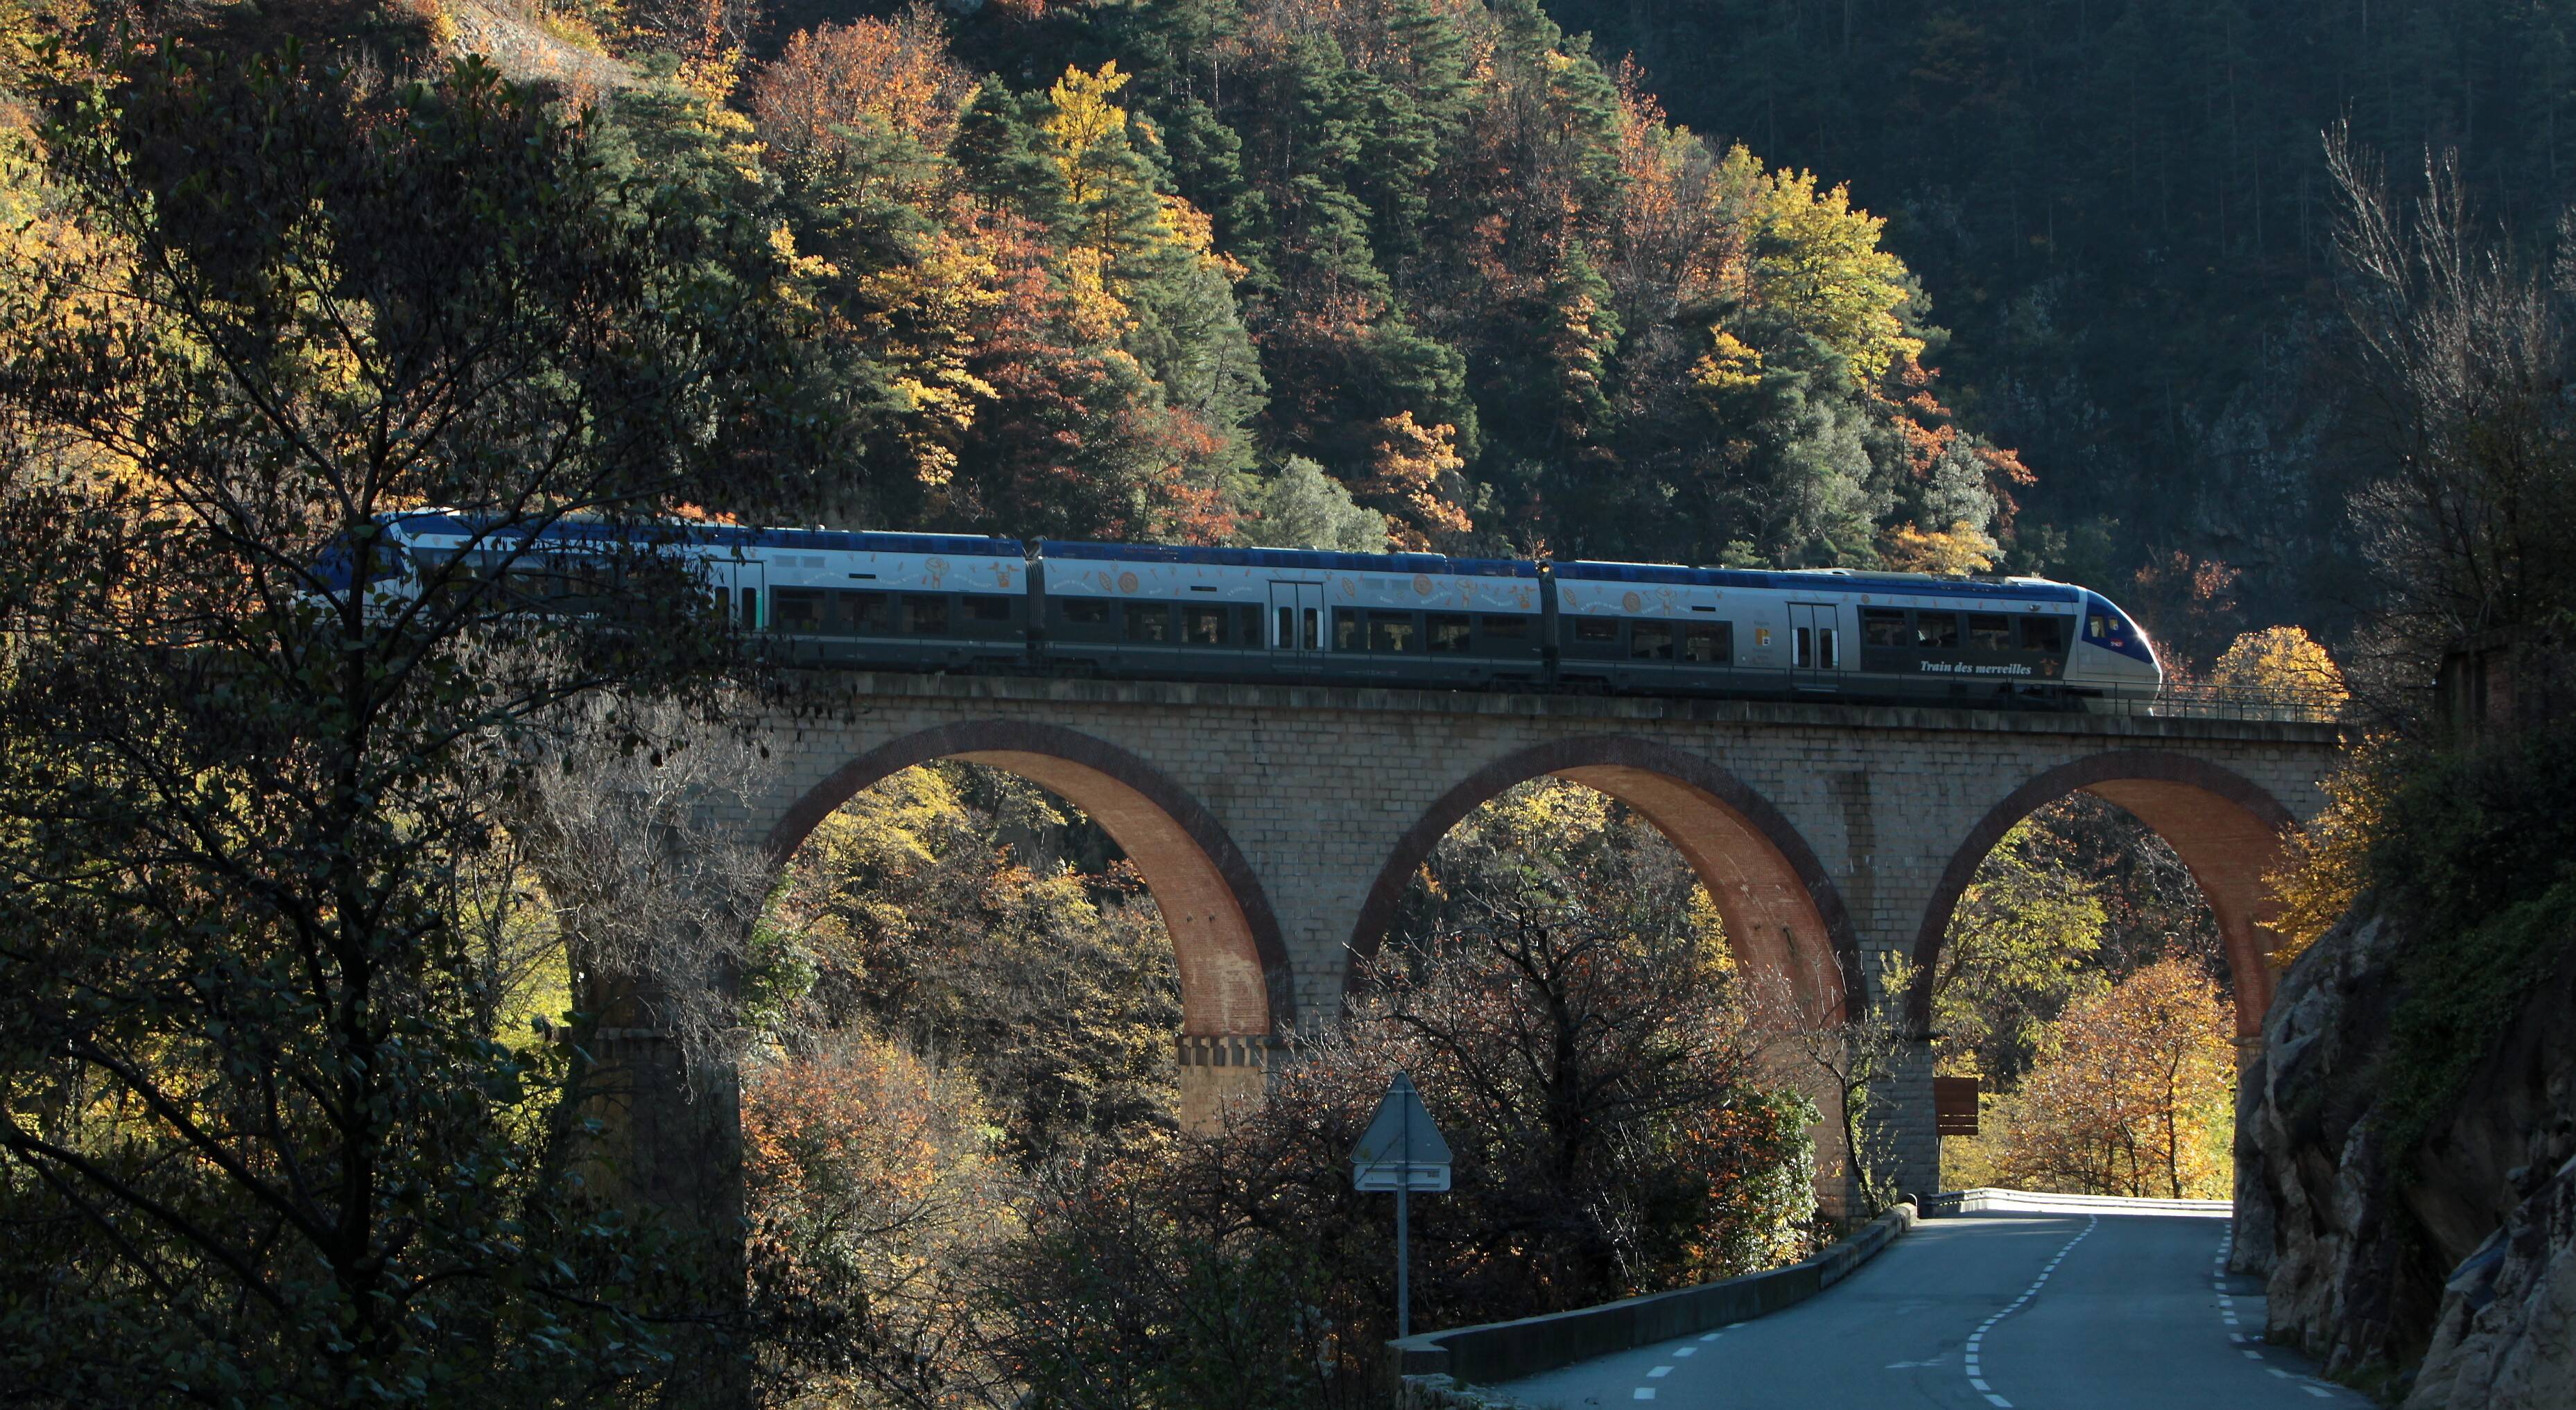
column 1988, row 1200
column 2291, row 705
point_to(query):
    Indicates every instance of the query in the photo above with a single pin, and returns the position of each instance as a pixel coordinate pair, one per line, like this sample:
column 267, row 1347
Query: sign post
column 1401, row 1151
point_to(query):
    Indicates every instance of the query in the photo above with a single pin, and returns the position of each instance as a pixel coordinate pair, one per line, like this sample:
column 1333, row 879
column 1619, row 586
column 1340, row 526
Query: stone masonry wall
column 1872, row 816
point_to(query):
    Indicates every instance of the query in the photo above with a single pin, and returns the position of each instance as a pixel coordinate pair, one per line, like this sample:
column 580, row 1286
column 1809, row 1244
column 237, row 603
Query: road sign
column 1402, row 1149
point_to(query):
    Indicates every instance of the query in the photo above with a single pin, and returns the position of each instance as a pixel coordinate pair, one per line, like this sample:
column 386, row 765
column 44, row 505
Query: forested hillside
column 2122, row 210
column 1215, row 270
column 361, row 970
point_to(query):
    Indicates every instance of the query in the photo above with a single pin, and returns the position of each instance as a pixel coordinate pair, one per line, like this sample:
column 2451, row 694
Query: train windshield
column 2107, row 626
column 337, row 564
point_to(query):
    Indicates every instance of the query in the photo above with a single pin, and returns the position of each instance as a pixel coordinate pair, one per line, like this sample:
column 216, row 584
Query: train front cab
column 2113, row 658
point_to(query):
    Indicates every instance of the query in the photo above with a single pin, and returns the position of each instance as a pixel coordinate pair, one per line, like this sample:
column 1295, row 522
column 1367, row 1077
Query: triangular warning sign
column 1401, row 1147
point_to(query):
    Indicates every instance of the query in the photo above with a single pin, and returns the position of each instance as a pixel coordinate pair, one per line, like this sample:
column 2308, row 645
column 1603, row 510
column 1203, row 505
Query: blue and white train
column 947, row 602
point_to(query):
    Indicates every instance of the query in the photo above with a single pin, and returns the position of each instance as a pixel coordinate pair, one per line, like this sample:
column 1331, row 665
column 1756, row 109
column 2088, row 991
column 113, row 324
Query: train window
column 1596, row 629
column 1802, row 648
column 1936, row 631
column 798, row 609
column 1149, row 621
column 1203, row 626
column 1247, row 626
column 1650, row 641
column 1989, row 632
column 988, row 607
column 1085, row 611
column 1449, row 632
column 1392, row 631
column 1710, row 645
column 2040, row 633
column 1286, row 637
column 924, row 615
column 751, row 609
column 1881, row 626
column 860, row 612
column 2098, row 626
column 1346, row 631
column 1506, row 628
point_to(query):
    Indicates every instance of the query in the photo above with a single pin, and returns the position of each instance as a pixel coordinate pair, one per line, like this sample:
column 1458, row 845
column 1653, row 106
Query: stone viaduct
column 1278, row 827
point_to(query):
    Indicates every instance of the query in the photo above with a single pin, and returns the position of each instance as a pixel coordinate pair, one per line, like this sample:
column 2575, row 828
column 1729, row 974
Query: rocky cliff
column 2419, row 1232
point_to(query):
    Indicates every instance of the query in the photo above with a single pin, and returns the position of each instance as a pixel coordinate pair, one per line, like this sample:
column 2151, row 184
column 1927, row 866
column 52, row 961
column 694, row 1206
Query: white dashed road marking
column 1976, row 1339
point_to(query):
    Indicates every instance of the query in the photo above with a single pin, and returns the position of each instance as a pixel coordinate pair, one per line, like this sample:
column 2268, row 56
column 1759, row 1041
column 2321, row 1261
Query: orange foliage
column 1960, row 549
column 2132, row 1093
column 1060, row 437
column 1676, row 230
column 896, row 71
column 867, row 1175
column 1405, row 480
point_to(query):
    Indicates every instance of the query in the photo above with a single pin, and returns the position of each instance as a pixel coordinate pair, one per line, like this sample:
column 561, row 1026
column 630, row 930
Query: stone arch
column 1781, row 908
column 1236, row 984
column 2228, row 830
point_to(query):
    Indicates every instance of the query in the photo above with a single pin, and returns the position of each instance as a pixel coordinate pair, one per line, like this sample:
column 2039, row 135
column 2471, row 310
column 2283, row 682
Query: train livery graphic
column 949, row 602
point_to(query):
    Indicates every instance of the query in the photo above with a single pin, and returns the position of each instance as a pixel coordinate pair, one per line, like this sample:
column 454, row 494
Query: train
column 959, row 603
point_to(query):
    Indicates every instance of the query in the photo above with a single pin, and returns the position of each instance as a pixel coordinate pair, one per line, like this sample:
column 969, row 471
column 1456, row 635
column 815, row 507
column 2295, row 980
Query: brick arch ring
column 1781, row 909
column 1235, row 978
column 2227, row 829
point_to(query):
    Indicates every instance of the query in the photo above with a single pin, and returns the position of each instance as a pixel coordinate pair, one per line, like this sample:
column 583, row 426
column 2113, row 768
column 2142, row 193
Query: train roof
column 1820, row 580
column 702, row 532
column 1292, row 559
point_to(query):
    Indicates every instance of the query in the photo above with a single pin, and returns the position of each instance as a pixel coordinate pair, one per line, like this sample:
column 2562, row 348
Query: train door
column 750, row 606
column 1296, row 624
column 1815, row 646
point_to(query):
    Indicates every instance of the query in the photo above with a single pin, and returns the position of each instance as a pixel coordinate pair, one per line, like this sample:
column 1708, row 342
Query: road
column 2017, row 1311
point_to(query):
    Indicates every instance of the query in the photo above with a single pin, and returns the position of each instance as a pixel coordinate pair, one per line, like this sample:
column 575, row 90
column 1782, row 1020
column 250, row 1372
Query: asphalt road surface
column 2056, row 1311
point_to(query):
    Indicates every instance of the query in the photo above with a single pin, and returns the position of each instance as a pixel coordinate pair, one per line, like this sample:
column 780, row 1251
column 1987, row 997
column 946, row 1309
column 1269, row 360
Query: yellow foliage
column 1817, row 260
column 1961, row 549
column 2327, row 865
column 1083, row 119
column 919, row 311
column 2281, row 662
column 1405, row 479
column 1730, row 365
column 1091, row 305
column 2133, row 1093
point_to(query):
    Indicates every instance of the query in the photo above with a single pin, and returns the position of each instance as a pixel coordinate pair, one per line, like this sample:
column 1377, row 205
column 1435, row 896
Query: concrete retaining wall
column 1502, row 1351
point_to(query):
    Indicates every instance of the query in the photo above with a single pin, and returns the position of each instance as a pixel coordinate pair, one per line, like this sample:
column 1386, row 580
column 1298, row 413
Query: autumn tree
column 2023, row 944
column 257, row 1097
column 964, row 912
column 874, row 1203
column 2280, row 663
column 2132, row 1092
column 1956, row 551
column 1518, row 984
column 895, row 72
column 2188, row 606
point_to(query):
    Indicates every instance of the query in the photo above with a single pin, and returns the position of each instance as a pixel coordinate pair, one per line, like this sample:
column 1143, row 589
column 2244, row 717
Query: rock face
column 2464, row 1260
column 2506, row 1338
